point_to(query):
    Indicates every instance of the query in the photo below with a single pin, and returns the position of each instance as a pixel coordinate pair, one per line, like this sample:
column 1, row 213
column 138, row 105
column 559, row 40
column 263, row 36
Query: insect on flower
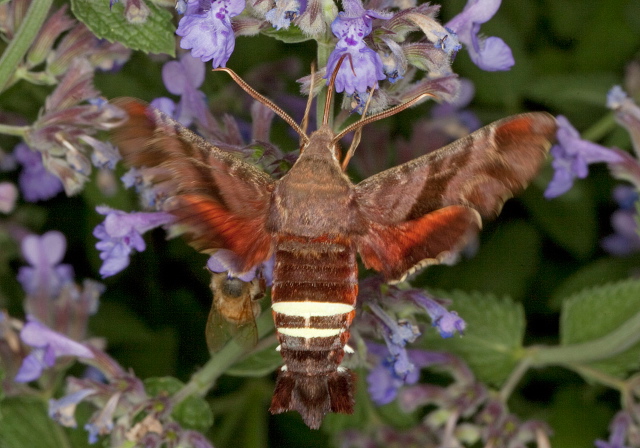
column 314, row 221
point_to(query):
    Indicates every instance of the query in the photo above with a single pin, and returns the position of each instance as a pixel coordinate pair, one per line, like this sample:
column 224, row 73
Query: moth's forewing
column 416, row 211
column 218, row 200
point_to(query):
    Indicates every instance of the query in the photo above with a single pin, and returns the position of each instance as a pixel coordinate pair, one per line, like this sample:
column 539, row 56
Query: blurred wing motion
column 425, row 210
column 235, row 307
column 219, row 201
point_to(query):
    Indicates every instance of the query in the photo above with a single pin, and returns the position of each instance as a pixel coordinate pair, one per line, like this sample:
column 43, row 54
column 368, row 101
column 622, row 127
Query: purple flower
column 383, row 380
column 362, row 68
column 45, row 275
column 63, row 410
column 627, row 114
column 447, row 322
column 208, row 33
column 571, row 157
column 47, row 346
column 490, row 53
column 284, row 12
column 102, row 422
column 8, row 197
column 183, row 78
column 227, row 261
column 120, row 233
column 36, row 183
column 625, row 240
column 619, row 427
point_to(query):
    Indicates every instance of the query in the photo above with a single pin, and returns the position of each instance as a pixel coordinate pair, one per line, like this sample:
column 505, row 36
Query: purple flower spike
column 36, row 183
column 625, row 240
column 447, row 322
column 47, row 346
column 63, row 410
column 45, row 275
column 120, row 233
column 208, row 33
column 226, row 261
column 363, row 67
column 491, row 53
column 102, row 422
column 284, row 12
column 571, row 158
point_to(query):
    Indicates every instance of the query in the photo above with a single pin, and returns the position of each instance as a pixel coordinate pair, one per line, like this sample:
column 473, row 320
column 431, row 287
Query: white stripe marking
column 311, row 309
column 310, row 332
column 348, row 349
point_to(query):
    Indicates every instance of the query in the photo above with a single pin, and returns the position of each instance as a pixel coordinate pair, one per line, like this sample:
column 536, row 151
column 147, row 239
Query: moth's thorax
column 315, row 197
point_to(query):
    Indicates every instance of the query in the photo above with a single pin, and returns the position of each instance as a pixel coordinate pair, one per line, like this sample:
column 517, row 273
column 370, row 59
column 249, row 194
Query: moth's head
column 322, row 142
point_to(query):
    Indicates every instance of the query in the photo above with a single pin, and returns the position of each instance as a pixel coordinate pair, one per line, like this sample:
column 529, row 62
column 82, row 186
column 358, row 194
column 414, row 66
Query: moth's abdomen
column 313, row 301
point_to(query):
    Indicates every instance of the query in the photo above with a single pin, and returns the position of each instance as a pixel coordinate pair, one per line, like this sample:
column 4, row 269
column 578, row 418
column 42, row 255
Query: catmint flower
column 625, row 240
column 226, row 261
column 60, row 133
column 58, row 23
column 121, row 233
column 63, row 410
column 104, row 154
column 183, row 77
column 491, row 53
column 8, row 197
column 149, row 196
column 619, row 427
column 362, row 68
column 627, row 114
column 102, row 422
column 383, row 380
column 47, row 345
column 447, row 322
column 284, row 12
column 46, row 276
column 208, row 32
column 572, row 156
column 36, row 183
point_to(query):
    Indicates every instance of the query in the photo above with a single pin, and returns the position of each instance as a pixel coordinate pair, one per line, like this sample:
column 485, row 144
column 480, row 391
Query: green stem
column 513, row 380
column 601, row 377
column 601, row 128
column 24, row 37
column 619, row 340
column 205, row 378
column 324, row 50
column 18, row 131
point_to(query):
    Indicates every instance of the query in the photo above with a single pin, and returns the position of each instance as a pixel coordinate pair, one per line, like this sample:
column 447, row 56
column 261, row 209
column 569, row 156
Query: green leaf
column 492, row 341
column 596, row 312
column 194, row 413
column 505, row 264
column 165, row 385
column 292, row 35
column 24, row 422
column 561, row 216
column 156, row 35
column 259, row 364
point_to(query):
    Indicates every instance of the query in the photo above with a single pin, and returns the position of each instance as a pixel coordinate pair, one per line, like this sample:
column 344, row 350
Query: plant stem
column 23, row 39
column 619, row 340
column 205, row 378
column 602, row 127
column 19, row 131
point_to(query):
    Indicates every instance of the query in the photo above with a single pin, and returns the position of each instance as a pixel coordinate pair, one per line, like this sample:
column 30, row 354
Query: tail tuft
column 313, row 396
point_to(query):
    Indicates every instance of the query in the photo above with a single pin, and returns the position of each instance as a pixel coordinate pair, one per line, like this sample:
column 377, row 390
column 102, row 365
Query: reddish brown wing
column 218, row 200
column 476, row 173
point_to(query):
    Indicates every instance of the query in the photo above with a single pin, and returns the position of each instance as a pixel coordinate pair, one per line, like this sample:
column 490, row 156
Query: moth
column 315, row 221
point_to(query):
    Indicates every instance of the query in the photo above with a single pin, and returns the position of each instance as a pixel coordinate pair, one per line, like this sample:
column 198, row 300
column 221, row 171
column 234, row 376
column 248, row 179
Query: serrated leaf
column 24, row 422
column 292, row 35
column 492, row 341
column 193, row 413
column 259, row 364
column 156, row 35
column 596, row 312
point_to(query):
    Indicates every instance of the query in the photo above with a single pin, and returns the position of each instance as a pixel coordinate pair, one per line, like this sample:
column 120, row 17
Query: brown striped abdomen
column 313, row 301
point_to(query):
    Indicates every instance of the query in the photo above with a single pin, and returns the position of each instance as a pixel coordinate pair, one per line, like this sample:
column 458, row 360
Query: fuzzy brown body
column 314, row 220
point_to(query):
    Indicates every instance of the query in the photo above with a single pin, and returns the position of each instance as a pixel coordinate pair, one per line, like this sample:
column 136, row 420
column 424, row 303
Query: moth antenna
column 264, row 100
column 379, row 116
column 332, row 82
column 307, row 109
column 358, row 134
